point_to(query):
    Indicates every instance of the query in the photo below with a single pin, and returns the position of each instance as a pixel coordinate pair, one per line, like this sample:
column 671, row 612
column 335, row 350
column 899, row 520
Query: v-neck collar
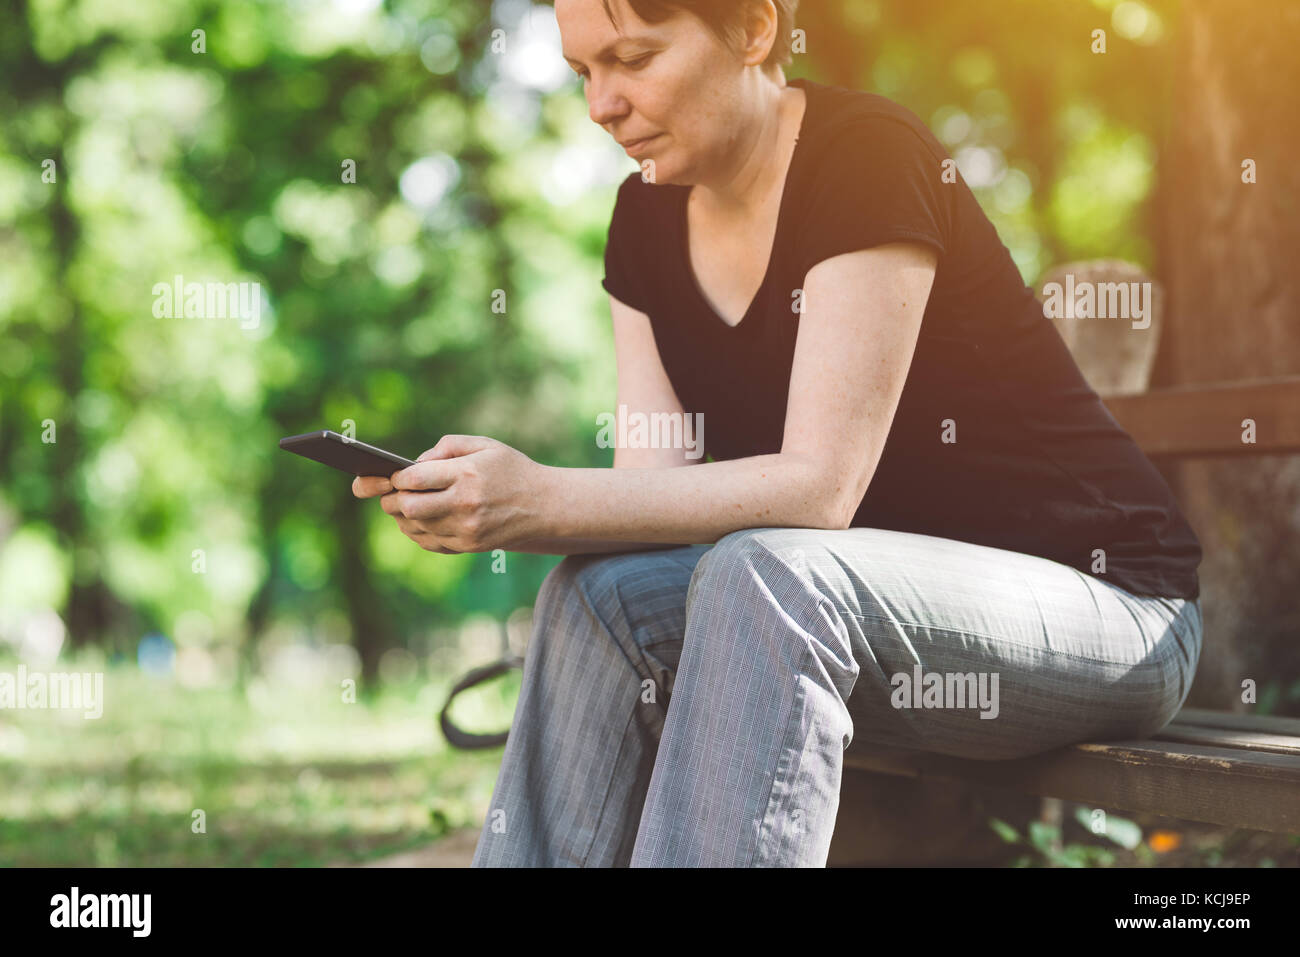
column 684, row 226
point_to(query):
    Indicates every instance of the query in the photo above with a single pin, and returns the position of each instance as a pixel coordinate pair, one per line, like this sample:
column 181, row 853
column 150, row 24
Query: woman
column 911, row 478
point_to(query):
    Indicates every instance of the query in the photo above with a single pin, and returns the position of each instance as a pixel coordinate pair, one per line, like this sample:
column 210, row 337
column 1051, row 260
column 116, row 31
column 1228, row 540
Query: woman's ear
column 760, row 25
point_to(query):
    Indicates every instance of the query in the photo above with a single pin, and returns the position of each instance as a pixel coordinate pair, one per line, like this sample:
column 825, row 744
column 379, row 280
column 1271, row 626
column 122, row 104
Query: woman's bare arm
column 859, row 329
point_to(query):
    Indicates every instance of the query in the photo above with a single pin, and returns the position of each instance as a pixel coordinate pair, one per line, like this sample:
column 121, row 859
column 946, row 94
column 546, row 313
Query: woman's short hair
column 726, row 18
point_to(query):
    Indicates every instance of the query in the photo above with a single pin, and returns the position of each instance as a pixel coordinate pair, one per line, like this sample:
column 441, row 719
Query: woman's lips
column 638, row 145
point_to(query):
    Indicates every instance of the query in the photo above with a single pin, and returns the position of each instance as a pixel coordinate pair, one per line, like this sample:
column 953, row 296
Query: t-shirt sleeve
column 625, row 261
column 878, row 181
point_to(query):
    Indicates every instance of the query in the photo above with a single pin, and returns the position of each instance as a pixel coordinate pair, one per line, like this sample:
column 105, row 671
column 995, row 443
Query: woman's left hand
column 468, row 493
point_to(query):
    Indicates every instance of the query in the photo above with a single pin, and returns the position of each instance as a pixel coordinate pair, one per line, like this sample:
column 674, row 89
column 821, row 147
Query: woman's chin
column 659, row 173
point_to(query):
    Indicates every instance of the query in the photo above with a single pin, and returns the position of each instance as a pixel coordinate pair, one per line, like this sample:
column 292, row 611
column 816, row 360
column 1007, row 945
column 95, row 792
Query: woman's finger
column 427, row 476
column 409, row 528
column 426, row 539
column 428, row 507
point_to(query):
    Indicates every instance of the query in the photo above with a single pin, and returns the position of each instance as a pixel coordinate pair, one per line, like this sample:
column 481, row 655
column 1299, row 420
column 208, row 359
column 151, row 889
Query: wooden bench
column 1222, row 768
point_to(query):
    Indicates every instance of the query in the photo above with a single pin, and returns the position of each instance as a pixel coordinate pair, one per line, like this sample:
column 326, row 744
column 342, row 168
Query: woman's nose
column 604, row 102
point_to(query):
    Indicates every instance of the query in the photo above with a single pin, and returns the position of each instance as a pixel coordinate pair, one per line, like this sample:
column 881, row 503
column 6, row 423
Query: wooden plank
column 1233, row 721
column 1221, row 738
column 1205, row 420
column 1256, row 790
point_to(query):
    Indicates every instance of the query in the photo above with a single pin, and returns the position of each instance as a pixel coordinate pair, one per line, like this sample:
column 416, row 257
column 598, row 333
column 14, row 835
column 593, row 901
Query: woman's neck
column 743, row 190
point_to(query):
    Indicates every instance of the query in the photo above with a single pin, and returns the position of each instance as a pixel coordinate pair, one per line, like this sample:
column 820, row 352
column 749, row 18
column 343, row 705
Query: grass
column 268, row 776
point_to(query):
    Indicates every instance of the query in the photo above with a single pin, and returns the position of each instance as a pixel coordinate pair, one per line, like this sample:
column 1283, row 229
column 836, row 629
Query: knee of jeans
column 775, row 557
column 559, row 584
column 763, row 548
column 731, row 552
column 769, row 569
column 593, row 578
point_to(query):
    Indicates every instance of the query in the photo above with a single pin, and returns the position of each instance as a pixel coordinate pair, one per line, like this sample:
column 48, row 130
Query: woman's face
column 674, row 81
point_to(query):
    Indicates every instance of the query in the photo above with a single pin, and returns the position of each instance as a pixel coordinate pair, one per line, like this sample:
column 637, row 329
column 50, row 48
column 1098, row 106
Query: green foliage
column 1044, row 847
column 1058, row 142
column 231, row 165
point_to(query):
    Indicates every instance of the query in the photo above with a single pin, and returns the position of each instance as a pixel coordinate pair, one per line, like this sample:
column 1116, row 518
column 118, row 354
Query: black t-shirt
column 1038, row 466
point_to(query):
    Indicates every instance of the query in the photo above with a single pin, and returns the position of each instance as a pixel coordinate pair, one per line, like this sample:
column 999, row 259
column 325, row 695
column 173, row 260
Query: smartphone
column 347, row 455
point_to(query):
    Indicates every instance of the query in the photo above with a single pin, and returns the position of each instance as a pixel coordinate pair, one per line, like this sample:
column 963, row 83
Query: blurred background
column 418, row 192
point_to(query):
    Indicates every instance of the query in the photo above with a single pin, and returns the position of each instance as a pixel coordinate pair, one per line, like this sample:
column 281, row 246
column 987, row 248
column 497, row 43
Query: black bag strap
column 464, row 739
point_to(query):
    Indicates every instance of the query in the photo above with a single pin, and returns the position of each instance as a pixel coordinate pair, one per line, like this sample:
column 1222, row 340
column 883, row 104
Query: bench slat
column 1253, row 789
column 1205, row 420
column 1221, row 738
column 1232, row 721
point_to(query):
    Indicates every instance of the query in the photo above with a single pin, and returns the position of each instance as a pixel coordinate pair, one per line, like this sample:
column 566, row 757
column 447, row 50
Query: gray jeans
column 692, row 706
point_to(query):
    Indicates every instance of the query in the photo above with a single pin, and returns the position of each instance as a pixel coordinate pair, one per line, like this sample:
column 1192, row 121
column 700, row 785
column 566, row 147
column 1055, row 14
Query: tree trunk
column 86, row 610
column 1229, row 258
column 372, row 628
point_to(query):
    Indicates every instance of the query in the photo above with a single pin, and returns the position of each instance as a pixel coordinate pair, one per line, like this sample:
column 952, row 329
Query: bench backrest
column 1220, row 419
column 1213, row 420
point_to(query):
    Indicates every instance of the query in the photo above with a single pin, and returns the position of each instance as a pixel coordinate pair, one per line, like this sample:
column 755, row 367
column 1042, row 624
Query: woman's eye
column 637, row 63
